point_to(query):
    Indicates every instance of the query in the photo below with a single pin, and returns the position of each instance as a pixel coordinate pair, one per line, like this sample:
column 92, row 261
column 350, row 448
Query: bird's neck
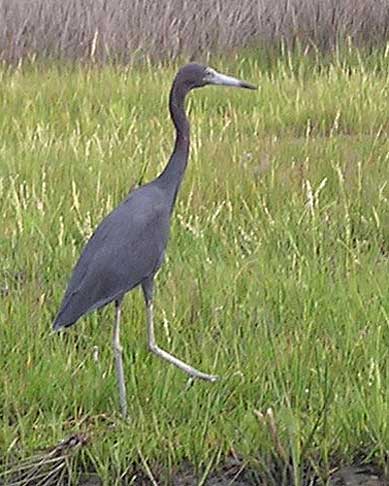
column 173, row 173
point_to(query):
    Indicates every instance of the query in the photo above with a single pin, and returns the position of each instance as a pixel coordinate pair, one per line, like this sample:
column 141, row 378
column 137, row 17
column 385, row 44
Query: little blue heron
column 128, row 246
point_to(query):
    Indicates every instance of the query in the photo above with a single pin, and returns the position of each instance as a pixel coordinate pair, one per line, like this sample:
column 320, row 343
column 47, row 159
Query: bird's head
column 196, row 76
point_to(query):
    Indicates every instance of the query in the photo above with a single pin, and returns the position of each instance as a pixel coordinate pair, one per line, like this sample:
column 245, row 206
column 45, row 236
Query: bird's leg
column 118, row 350
column 147, row 287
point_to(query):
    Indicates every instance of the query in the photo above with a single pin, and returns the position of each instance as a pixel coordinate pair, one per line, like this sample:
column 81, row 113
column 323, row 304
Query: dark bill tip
column 244, row 84
column 224, row 80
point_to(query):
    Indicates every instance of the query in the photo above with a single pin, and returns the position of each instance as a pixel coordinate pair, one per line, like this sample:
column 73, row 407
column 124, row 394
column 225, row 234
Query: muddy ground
column 235, row 475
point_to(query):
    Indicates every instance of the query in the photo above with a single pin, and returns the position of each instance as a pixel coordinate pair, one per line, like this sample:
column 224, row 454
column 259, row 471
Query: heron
column 128, row 246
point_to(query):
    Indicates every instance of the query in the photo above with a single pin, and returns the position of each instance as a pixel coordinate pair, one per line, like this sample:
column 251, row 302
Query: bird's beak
column 223, row 80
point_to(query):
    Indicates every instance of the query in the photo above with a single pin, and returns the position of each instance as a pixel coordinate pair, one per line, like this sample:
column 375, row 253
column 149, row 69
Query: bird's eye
column 208, row 72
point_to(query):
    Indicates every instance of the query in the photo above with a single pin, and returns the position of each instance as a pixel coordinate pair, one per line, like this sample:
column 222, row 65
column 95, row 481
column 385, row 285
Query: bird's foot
column 212, row 378
column 191, row 379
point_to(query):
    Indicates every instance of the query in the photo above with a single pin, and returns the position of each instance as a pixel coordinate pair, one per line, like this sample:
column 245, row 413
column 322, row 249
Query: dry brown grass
column 125, row 30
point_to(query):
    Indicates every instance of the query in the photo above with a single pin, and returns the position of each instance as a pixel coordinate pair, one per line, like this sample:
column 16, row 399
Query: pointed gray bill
column 223, row 80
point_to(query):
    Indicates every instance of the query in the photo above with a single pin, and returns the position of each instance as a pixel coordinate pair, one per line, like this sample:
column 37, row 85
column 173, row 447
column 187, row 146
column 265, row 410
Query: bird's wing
column 126, row 248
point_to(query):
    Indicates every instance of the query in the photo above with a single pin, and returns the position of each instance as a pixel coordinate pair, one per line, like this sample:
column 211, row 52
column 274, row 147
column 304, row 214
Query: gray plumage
column 128, row 246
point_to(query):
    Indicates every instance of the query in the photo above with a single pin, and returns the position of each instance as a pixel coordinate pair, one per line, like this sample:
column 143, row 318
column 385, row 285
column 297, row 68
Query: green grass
column 276, row 276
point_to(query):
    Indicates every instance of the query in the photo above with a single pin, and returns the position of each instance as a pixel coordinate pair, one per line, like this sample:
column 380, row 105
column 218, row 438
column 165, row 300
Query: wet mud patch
column 358, row 475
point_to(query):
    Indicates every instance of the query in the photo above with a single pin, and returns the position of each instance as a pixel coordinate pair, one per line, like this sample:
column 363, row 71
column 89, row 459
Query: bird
column 127, row 248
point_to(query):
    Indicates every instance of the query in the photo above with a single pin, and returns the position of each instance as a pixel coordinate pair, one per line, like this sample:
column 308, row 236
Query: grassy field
column 276, row 275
